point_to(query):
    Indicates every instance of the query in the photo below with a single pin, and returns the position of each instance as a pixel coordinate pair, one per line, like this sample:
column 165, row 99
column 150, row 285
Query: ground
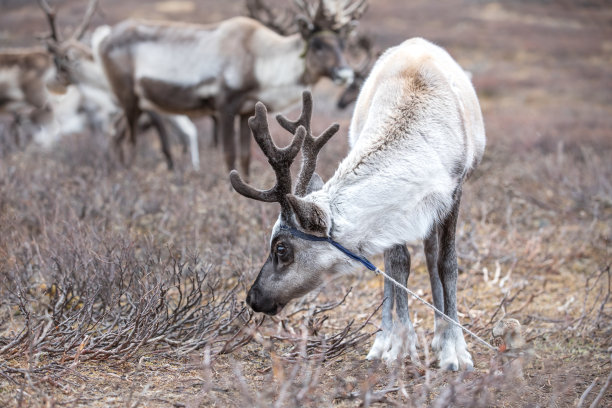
column 125, row 286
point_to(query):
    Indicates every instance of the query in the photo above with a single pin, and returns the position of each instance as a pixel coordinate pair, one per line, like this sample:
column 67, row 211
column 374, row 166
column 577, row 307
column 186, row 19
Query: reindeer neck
column 377, row 202
column 279, row 70
column 279, row 60
column 89, row 73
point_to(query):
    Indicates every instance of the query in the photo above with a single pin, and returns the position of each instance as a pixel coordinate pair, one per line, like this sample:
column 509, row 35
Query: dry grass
column 126, row 286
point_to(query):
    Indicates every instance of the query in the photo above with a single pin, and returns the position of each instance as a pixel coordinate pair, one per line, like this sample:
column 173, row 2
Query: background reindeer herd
column 139, row 74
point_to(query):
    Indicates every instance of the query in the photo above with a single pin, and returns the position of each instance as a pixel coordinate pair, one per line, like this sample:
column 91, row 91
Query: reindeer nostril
column 249, row 298
column 253, row 299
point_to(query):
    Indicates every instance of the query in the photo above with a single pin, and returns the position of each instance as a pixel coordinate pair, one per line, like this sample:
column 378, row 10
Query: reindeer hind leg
column 452, row 353
column 120, row 127
column 431, row 256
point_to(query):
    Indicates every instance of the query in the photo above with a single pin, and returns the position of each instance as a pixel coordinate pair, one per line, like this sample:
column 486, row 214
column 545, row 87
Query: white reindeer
column 224, row 68
column 416, row 134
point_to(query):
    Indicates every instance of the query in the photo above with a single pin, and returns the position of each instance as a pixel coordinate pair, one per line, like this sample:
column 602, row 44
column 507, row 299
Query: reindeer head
column 67, row 53
column 362, row 45
column 325, row 28
column 295, row 266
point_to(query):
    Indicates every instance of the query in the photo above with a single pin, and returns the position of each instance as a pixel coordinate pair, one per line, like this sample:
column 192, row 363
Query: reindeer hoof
column 452, row 350
column 379, row 347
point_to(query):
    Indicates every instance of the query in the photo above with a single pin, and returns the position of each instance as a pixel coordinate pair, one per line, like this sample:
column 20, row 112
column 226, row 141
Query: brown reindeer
column 225, row 68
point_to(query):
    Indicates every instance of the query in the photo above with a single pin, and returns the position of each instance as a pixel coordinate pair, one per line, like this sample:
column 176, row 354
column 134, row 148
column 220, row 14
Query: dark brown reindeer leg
column 452, row 352
column 163, row 137
column 431, row 256
column 228, row 109
column 120, row 128
column 405, row 336
column 215, row 130
column 245, row 144
column 131, row 115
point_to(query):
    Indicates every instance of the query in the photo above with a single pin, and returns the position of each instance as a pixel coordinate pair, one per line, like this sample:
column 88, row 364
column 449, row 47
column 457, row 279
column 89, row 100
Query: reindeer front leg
column 163, row 137
column 381, row 343
column 448, row 339
column 397, row 338
column 228, row 108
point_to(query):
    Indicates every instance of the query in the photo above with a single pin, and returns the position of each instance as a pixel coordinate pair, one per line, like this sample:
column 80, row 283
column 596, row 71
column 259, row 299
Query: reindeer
column 224, row 68
column 24, row 74
column 76, row 65
column 416, row 134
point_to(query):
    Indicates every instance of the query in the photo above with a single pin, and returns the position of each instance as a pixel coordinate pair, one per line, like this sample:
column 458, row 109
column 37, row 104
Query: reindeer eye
column 317, row 45
column 281, row 249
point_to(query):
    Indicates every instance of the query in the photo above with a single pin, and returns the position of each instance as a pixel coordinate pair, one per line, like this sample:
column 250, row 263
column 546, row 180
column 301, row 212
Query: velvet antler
column 311, row 146
column 279, row 158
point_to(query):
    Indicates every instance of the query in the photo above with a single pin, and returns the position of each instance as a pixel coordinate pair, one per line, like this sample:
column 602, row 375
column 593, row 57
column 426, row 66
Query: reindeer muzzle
column 343, row 76
column 259, row 303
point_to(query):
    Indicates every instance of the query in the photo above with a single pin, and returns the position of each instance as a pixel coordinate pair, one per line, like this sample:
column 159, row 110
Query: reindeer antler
column 279, row 158
column 80, row 30
column 279, row 21
column 50, row 14
column 311, row 146
column 332, row 15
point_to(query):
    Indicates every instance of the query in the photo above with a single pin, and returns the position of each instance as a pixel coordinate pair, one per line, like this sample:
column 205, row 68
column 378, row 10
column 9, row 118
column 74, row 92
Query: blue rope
column 310, row 237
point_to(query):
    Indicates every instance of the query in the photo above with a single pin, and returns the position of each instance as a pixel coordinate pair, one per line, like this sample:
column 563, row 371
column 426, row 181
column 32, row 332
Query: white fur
column 390, row 347
column 186, row 64
column 98, row 35
column 280, row 69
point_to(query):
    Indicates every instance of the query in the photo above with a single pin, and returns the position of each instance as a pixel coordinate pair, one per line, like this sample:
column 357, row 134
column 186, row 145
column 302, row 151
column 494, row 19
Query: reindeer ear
column 309, row 215
column 306, row 28
column 315, row 183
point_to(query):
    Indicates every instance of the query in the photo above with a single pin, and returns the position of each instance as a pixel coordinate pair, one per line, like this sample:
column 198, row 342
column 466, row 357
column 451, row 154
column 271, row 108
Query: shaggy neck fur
column 372, row 214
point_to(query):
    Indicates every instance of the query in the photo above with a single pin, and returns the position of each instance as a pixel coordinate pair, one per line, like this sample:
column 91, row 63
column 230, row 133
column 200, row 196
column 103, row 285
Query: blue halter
column 309, row 237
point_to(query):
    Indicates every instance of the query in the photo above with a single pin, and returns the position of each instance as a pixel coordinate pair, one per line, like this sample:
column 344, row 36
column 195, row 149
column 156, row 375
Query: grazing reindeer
column 76, row 65
column 416, row 134
column 224, row 68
